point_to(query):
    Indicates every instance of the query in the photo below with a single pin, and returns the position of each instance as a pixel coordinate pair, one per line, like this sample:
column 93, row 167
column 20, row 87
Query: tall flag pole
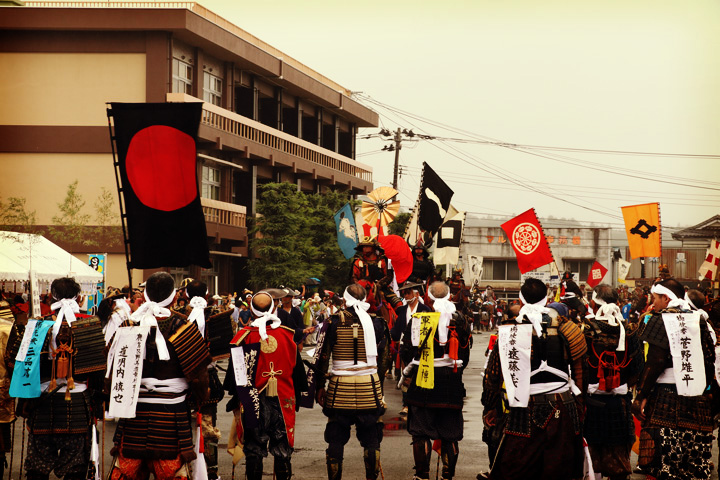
column 157, row 169
column 528, row 241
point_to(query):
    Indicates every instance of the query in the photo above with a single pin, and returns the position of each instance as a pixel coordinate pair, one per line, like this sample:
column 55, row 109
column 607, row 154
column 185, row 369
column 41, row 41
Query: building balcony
column 225, row 220
column 229, row 130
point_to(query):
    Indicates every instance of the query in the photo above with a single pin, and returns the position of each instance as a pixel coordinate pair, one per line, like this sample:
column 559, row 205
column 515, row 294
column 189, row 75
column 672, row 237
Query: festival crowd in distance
column 574, row 378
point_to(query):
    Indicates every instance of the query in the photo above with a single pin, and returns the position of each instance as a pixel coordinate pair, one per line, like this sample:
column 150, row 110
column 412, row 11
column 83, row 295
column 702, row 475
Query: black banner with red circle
column 156, row 149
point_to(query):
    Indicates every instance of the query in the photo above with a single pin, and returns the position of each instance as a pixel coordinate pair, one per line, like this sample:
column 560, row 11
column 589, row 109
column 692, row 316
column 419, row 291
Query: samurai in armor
column 370, row 268
column 423, row 268
column 435, row 352
column 58, row 365
column 574, row 298
column 264, row 396
column 351, row 393
column 197, row 310
column 543, row 362
column 158, row 438
column 615, row 359
column 672, row 400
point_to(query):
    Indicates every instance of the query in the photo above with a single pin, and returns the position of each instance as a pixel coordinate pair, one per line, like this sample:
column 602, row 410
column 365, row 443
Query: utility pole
column 398, row 146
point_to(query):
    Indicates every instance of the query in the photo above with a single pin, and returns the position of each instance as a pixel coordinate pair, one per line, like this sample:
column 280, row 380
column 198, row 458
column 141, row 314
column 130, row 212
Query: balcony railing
column 224, row 213
column 248, row 129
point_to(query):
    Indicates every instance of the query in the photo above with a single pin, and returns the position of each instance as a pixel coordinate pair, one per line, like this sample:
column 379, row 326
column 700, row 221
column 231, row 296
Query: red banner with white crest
column 528, row 240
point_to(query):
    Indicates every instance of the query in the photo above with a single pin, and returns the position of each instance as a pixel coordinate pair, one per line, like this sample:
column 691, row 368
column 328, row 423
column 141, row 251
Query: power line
column 582, row 164
column 509, row 176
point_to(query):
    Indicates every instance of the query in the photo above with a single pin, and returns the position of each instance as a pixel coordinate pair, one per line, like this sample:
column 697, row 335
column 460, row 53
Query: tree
column 106, row 215
column 399, row 224
column 281, row 244
column 69, row 224
column 336, row 268
column 14, row 214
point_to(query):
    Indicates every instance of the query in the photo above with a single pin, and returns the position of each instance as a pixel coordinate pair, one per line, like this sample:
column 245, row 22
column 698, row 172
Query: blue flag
column 25, row 381
column 346, row 231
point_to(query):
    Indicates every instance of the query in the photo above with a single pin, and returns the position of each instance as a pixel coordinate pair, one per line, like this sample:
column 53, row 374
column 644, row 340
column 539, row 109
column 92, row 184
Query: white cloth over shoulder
column 361, row 307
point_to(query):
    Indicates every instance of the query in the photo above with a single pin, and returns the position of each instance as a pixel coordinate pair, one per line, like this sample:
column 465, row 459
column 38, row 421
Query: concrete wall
column 34, row 86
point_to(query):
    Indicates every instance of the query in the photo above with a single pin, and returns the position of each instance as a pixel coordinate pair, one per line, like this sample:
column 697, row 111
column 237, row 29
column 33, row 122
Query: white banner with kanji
column 126, row 369
column 683, row 331
column 514, row 347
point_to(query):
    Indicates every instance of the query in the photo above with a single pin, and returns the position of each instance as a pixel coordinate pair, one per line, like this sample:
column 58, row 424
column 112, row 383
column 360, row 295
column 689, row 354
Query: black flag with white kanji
column 158, row 170
column 434, row 202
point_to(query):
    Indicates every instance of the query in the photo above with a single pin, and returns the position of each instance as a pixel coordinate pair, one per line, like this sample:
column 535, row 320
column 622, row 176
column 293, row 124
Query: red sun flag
column 528, row 240
column 597, row 273
column 157, row 168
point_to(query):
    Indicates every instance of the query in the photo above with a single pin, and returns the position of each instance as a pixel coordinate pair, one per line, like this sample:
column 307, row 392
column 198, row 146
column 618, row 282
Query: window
column 580, row 269
column 210, row 183
column 500, row 270
column 212, row 89
column 182, row 77
column 210, row 276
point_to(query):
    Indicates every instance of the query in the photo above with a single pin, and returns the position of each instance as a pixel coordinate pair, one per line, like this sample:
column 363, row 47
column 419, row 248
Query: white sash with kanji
column 125, row 366
column 514, row 347
column 683, row 331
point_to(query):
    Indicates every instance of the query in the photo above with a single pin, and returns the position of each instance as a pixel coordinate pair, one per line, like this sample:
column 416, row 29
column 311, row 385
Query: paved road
column 309, row 457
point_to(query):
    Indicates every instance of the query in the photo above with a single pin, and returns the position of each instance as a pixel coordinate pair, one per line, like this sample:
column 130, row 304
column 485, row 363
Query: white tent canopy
column 21, row 252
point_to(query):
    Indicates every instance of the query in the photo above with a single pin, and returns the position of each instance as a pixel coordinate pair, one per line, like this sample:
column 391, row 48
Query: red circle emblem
column 160, row 165
column 526, row 238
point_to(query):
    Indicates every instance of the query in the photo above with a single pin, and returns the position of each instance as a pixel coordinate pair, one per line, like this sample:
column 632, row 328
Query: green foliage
column 106, row 215
column 106, row 208
column 399, row 224
column 294, row 238
column 336, row 268
column 14, row 213
column 71, row 220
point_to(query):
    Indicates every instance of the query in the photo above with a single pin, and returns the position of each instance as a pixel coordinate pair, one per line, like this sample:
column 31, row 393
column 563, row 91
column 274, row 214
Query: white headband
column 703, row 314
column 446, row 309
column 145, row 315
column 197, row 314
column 533, row 312
column 674, row 300
column 611, row 313
column 67, row 308
column 361, row 307
column 264, row 317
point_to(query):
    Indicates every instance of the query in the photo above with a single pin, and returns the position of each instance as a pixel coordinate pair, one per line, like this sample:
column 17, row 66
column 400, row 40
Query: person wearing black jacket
column 435, row 406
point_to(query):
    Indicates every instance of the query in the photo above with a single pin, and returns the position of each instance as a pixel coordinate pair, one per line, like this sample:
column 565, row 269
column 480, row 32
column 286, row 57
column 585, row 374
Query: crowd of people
column 566, row 375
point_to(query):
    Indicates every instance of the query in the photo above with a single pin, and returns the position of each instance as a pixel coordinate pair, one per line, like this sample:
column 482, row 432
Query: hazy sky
column 637, row 76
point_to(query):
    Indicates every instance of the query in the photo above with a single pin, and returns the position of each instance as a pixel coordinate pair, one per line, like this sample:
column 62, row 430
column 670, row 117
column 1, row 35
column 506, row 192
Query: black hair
column 697, row 298
column 357, row 291
column 674, row 286
column 159, row 286
column 105, row 310
column 533, row 290
column 606, row 293
column 196, row 288
column 571, row 286
column 65, row 287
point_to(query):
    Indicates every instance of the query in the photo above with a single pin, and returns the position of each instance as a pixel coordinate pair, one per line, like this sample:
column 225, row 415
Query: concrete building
column 266, row 117
column 575, row 249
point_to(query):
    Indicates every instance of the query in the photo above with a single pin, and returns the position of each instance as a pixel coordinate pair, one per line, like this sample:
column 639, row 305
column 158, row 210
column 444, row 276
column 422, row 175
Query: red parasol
column 397, row 250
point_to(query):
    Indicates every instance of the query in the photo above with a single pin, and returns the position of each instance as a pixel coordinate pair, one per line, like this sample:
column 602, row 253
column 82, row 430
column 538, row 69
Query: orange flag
column 642, row 227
